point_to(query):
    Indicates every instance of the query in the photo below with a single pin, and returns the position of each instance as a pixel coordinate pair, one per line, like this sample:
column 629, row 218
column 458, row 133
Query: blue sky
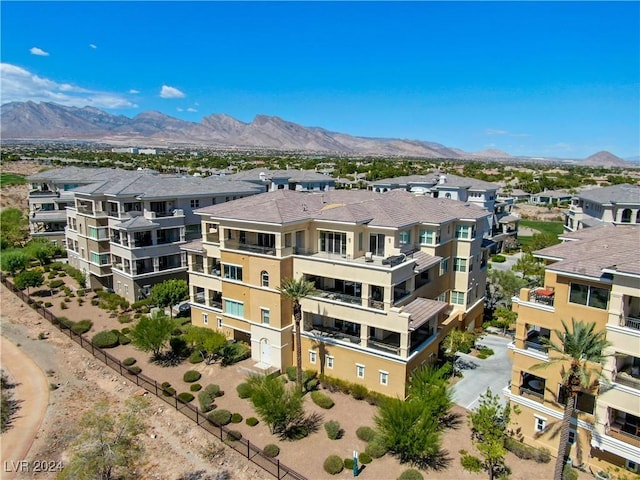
column 539, row 78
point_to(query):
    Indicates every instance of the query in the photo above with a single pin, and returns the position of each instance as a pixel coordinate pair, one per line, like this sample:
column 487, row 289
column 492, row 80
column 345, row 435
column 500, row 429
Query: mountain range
column 51, row 121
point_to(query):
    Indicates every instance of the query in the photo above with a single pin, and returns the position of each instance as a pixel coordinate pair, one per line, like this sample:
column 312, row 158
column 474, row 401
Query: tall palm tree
column 579, row 351
column 296, row 290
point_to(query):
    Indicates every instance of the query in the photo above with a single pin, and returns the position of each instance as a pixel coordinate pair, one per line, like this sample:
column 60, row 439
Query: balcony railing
column 215, row 303
column 249, row 247
column 624, row 378
column 632, row 322
column 542, row 296
column 197, row 268
column 536, row 346
column 377, row 304
column 535, row 395
column 624, row 433
column 338, row 297
column 335, row 334
column 380, row 345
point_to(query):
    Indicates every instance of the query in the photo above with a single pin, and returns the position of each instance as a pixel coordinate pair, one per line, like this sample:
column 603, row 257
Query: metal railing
column 631, row 322
column 243, row 446
column 627, row 380
column 536, row 346
column 538, row 396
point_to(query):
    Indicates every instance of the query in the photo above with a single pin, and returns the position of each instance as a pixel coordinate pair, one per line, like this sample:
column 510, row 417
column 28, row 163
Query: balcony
column 335, row 333
column 631, row 322
column 339, row 297
column 627, row 379
column 385, row 346
column 197, row 268
column 250, row 247
column 376, row 304
column 543, row 296
column 625, row 427
column 532, row 387
column 536, row 340
column 627, row 371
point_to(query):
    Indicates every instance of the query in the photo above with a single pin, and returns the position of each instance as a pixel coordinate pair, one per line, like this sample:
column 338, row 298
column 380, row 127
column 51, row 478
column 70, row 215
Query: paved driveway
column 510, row 261
column 493, row 372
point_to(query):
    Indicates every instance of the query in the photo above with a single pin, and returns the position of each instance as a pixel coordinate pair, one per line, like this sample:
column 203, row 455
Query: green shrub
column 124, row 318
column 134, row 369
column 485, row 352
column 56, row 283
column 333, row 464
column 569, row 473
column 165, row 384
column 411, row 474
column 366, row 434
column 359, row 392
column 65, row 323
column 140, row 304
column 195, row 387
column 51, row 275
column 234, row 436
column 123, row 339
column 83, row 326
column 271, row 450
column 63, row 305
column 244, row 390
column 498, row 258
column 185, row 397
column 129, row 361
column 348, row 463
column 191, row 376
column 168, row 391
column 252, row 421
column 125, row 330
column 48, row 304
column 105, row 339
column 235, row 352
column 236, row 418
column 207, row 396
column 220, row 417
column 376, row 448
column 332, row 427
column 95, row 303
column 292, row 373
column 322, row 400
column 195, row 357
column 471, row 463
column 365, row 458
column 526, row 452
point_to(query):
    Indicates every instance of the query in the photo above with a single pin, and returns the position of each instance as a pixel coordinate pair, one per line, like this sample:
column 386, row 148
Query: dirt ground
column 174, row 444
column 17, row 195
column 535, row 212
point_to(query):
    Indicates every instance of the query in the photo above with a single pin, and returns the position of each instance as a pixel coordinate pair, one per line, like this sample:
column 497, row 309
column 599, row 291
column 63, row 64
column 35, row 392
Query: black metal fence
column 242, row 446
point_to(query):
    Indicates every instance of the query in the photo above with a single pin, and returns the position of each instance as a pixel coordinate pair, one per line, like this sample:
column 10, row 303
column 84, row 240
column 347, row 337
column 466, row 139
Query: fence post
column 175, row 398
column 248, row 445
column 156, row 385
column 120, row 366
column 277, row 460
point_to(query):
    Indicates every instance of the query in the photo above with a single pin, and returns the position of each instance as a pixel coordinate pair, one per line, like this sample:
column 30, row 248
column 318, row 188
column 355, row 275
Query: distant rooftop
column 290, row 174
column 433, row 179
column 611, row 195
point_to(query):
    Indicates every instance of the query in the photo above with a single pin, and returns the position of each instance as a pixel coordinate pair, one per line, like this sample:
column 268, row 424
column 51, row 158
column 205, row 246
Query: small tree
column 169, row 293
column 28, row 278
column 45, row 252
column 108, row 446
column 502, row 285
column 542, row 240
column 15, row 228
column 489, row 423
column 530, row 267
column 14, row 261
column 455, row 341
column 151, row 334
column 207, row 342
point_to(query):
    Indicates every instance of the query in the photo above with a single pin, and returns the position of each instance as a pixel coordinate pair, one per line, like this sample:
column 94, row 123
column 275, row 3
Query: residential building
column 394, row 273
column 617, row 204
column 125, row 232
column 501, row 225
column 593, row 276
column 550, row 197
column 300, row 180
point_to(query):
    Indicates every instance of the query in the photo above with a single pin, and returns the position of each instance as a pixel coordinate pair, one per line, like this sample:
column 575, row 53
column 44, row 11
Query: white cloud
column 20, row 85
column 178, row 109
column 133, row 91
column 91, row 45
column 495, row 131
column 38, row 51
column 171, row 92
column 191, row 109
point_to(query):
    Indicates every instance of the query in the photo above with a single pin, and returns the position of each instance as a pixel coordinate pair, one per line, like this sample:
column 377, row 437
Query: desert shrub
column 81, row 292
column 83, row 326
column 140, row 304
column 168, row 391
column 333, row 464
column 471, row 463
column 569, row 473
column 234, row 436
column 359, row 392
column 57, row 283
column 411, row 474
column 485, row 352
column 124, row 318
column 48, row 304
column 348, row 463
column 244, row 390
column 332, row 427
column 95, row 302
column 252, row 421
column 125, row 330
column 63, row 305
column 526, row 452
column 191, row 376
column 195, row 387
column 374, row 398
column 128, row 361
column 185, row 397
column 322, row 400
column 42, row 336
column 271, row 450
column 195, row 357
column 366, row 434
column 220, row 417
column 376, row 448
column 235, row 352
column 65, row 323
column 51, row 275
column 365, row 458
column 105, row 339
column 236, row 418
column 122, row 338
column 292, row 373
column 498, row 258
column 134, row 369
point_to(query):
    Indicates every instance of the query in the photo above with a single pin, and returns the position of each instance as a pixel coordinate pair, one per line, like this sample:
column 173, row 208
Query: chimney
column 442, row 180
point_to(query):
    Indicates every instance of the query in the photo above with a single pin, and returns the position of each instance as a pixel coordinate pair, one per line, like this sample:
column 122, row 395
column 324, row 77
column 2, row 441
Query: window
column 540, row 424
column 463, row 231
column 442, row 297
column 429, row 237
column 264, row 278
column 219, row 319
column 457, row 298
column 329, row 361
column 631, row 465
column 405, row 237
column 333, row 242
column 572, row 437
column 264, row 315
column 126, row 289
column 460, row 264
column 444, row 266
column 195, row 203
column 99, row 258
column 359, row 370
column 233, row 308
column 312, row 356
column 360, row 241
column 205, row 318
column 585, row 402
column 98, row 233
column 589, row 296
column 233, row 272
column 384, row 378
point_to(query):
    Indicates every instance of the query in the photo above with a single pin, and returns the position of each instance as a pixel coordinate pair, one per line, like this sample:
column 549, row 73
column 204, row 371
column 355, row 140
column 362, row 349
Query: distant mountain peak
column 605, row 159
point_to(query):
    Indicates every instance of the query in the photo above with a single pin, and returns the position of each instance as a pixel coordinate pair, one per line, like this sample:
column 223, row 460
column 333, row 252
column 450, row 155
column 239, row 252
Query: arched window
column 626, row 216
column 447, row 195
column 264, row 278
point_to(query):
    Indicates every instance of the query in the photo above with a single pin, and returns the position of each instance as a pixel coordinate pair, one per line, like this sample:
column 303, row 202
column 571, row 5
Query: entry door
column 265, row 351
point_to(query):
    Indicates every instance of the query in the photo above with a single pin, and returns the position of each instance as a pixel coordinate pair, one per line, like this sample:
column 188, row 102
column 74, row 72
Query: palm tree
column 296, row 290
column 579, row 352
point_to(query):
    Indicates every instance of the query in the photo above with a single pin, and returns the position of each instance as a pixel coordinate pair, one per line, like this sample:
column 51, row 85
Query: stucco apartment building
column 593, row 276
column 124, row 230
column 289, row 179
column 617, row 204
column 394, row 272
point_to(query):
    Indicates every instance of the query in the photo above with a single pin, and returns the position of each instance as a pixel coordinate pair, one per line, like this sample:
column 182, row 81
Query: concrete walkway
column 32, row 391
column 508, row 264
column 493, row 372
